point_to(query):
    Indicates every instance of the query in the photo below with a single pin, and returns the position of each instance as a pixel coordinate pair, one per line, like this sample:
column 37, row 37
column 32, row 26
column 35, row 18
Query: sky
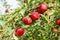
column 12, row 3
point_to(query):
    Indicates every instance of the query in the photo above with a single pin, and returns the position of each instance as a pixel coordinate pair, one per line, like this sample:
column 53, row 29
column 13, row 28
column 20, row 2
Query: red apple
column 27, row 20
column 34, row 15
column 6, row 10
column 58, row 21
column 42, row 8
column 54, row 30
column 19, row 31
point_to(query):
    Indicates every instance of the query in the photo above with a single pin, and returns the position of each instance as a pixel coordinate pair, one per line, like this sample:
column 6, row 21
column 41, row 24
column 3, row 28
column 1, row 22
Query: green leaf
column 2, row 22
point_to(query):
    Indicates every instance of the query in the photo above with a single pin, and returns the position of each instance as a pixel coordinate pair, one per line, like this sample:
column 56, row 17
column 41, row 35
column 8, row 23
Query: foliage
column 40, row 29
